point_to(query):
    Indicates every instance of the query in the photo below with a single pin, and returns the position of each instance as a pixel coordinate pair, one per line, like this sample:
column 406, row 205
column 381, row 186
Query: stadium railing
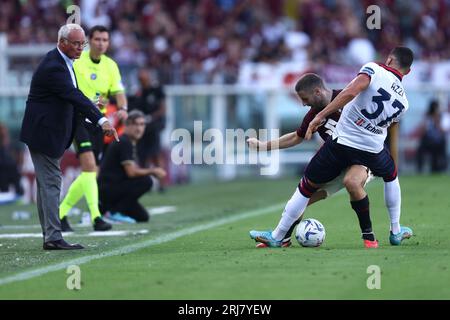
column 216, row 106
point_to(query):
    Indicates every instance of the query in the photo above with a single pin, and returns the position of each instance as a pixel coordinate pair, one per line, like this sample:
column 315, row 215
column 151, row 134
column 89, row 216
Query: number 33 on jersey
column 365, row 119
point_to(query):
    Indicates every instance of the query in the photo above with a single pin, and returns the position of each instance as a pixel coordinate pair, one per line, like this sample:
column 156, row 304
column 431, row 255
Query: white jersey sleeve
column 369, row 69
column 364, row 120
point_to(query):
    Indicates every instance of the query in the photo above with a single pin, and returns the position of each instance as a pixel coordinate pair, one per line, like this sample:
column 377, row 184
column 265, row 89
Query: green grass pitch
column 203, row 250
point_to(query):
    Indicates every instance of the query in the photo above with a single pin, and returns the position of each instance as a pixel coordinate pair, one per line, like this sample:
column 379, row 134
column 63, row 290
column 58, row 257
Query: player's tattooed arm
column 286, row 141
column 357, row 85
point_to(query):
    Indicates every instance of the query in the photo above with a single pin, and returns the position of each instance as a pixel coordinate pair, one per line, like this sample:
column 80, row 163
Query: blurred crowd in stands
column 205, row 41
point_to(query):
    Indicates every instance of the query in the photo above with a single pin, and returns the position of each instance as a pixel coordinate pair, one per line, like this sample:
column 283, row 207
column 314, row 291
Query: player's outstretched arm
column 357, row 85
column 286, row 141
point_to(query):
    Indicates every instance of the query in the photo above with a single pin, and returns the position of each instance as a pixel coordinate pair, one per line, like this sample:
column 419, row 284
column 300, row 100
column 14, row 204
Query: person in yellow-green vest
column 98, row 77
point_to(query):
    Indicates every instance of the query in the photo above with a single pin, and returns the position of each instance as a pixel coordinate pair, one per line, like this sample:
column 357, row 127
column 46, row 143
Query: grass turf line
column 222, row 262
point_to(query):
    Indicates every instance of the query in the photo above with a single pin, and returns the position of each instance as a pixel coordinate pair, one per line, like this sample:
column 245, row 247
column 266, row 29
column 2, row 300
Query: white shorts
column 337, row 184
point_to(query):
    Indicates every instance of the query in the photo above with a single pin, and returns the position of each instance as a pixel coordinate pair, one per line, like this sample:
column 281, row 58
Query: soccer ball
column 310, row 233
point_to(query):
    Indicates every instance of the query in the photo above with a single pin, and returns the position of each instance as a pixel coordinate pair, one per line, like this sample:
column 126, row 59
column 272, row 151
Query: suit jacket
column 53, row 108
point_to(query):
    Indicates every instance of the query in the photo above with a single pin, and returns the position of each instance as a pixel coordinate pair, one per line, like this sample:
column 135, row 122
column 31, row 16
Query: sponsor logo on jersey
column 93, row 76
column 360, row 122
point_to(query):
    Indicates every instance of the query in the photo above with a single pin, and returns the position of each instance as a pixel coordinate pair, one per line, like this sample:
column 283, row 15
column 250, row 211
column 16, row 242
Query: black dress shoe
column 101, row 225
column 65, row 226
column 61, row 245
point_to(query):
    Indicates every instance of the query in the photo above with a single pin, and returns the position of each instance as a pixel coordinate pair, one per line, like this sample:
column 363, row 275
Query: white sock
column 294, row 209
column 393, row 201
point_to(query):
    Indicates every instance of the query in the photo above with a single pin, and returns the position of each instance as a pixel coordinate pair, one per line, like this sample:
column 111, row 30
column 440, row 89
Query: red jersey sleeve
column 301, row 131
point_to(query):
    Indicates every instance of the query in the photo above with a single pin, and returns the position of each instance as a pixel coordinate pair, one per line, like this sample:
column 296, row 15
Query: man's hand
column 313, row 126
column 255, row 144
column 100, row 102
column 108, row 130
column 122, row 114
column 159, row 173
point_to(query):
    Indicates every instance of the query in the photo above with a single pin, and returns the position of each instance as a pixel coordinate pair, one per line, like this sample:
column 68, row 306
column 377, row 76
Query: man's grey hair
column 133, row 115
column 65, row 30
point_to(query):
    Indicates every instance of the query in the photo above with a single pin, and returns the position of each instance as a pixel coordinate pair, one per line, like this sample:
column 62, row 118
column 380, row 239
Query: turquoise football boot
column 396, row 239
column 121, row 218
column 266, row 238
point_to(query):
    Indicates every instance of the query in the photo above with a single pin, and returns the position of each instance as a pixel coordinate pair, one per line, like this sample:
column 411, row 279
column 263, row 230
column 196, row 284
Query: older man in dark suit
column 53, row 109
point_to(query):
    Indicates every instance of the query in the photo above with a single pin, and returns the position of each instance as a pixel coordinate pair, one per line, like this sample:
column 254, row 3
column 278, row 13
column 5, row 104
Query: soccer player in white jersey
column 371, row 103
column 313, row 93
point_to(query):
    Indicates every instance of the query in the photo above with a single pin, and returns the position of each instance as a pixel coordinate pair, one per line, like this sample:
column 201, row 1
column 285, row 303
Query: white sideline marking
column 21, row 226
column 161, row 210
column 33, row 226
column 71, row 234
column 20, row 235
column 153, row 211
column 137, row 246
column 112, row 233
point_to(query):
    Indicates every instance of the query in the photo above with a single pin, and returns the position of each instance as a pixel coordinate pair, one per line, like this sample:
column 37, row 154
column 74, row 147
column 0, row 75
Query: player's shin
column 317, row 196
column 74, row 194
column 90, row 189
column 288, row 234
column 392, row 199
column 294, row 209
column 361, row 207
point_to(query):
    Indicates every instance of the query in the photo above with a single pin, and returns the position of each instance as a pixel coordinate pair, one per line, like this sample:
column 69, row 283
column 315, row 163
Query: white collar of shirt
column 69, row 63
